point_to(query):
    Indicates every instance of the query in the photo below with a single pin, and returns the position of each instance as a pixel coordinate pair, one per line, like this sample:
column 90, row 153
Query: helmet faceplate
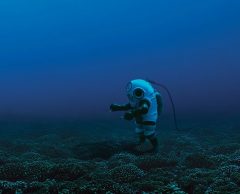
column 138, row 89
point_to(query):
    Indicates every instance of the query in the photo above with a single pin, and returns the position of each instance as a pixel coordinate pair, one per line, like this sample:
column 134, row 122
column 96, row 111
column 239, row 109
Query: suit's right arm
column 117, row 107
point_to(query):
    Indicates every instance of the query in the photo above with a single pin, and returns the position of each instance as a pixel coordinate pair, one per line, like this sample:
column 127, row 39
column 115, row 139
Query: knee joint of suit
column 141, row 137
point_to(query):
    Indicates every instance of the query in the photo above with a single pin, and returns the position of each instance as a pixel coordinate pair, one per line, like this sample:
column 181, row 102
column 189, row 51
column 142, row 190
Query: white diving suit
column 145, row 105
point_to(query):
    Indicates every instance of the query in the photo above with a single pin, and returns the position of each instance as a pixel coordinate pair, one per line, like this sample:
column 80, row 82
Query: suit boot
column 141, row 138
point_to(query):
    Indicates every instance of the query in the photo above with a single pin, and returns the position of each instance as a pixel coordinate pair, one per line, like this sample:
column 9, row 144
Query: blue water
column 55, row 56
column 62, row 63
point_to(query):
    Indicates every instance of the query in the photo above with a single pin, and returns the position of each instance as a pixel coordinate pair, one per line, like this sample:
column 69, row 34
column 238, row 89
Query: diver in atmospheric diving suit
column 145, row 105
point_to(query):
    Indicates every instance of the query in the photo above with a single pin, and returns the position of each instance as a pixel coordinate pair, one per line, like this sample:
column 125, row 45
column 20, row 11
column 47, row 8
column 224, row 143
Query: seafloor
column 98, row 157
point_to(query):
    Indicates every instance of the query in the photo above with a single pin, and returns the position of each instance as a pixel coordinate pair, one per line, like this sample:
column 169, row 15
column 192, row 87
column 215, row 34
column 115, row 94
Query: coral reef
column 186, row 163
column 126, row 173
column 198, row 160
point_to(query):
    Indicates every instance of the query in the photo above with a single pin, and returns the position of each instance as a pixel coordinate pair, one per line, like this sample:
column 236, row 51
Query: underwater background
column 62, row 63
